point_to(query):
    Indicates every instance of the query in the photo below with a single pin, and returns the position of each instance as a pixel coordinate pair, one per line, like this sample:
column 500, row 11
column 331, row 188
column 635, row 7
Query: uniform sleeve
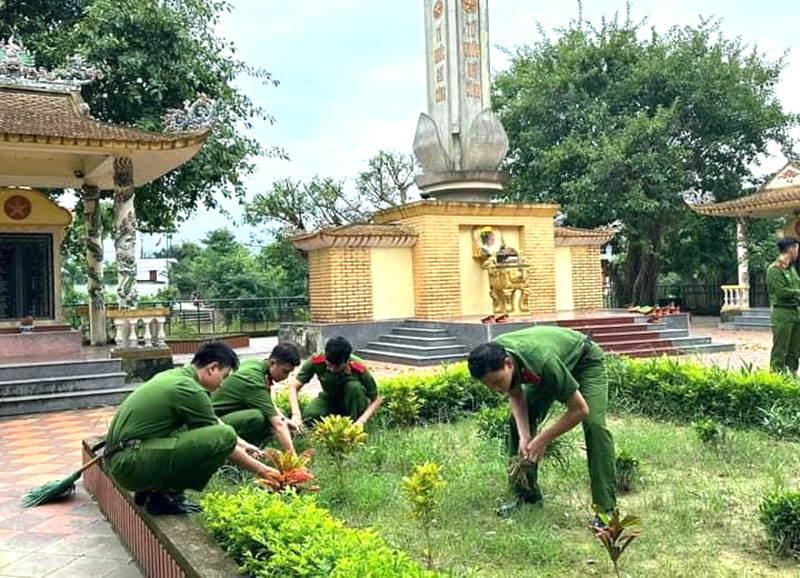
column 307, row 372
column 194, row 407
column 778, row 285
column 258, row 397
column 556, row 376
column 370, row 385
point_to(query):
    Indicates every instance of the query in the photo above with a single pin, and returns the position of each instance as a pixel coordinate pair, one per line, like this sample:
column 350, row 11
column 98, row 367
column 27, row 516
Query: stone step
column 687, row 350
column 420, row 332
column 20, row 371
column 20, row 405
column 413, row 340
column 417, row 349
column 642, row 335
column 622, row 328
column 49, row 385
column 409, row 359
column 596, row 321
column 635, row 345
column 421, row 324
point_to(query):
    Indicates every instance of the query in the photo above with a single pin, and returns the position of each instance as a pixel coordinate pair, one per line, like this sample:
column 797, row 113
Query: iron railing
column 698, row 298
column 219, row 316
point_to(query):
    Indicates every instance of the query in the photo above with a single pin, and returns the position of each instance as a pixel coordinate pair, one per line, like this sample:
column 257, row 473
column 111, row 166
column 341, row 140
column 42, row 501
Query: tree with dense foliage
column 615, row 125
column 155, row 54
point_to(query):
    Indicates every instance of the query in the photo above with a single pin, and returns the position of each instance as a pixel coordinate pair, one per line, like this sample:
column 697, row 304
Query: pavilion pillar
column 125, row 239
column 98, row 334
column 741, row 252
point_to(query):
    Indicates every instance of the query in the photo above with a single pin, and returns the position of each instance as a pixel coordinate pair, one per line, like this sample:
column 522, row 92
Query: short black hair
column 287, row 353
column 485, row 358
column 338, row 350
column 216, row 351
column 786, row 243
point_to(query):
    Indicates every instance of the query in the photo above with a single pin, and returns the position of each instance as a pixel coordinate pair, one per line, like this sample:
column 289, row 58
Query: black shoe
column 515, row 504
column 598, row 524
column 140, row 498
column 164, row 505
column 183, row 502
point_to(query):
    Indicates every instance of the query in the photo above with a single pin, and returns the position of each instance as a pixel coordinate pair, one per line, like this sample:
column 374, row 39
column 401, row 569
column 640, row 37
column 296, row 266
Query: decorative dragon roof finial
column 195, row 116
column 18, row 68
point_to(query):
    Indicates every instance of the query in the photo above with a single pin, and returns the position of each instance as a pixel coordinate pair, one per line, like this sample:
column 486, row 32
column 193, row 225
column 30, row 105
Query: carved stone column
column 125, row 239
column 98, row 335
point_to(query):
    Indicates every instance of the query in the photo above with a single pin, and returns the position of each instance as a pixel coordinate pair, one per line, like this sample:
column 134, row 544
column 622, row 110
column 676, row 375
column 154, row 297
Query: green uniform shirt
column 544, row 356
column 248, row 388
column 170, row 400
column 783, row 285
column 333, row 383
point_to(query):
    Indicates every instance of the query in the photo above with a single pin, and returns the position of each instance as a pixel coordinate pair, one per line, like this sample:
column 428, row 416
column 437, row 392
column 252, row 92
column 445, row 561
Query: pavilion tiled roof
column 781, row 201
column 38, row 116
column 566, row 236
column 357, row 235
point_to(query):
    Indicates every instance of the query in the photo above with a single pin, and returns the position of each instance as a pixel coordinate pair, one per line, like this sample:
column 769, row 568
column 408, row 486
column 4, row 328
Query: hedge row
column 290, row 536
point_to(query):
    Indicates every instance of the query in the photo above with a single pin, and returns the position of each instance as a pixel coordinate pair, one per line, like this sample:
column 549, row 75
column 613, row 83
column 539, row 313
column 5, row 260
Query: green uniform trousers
column 590, row 373
column 351, row 402
column 785, row 339
column 250, row 425
column 184, row 461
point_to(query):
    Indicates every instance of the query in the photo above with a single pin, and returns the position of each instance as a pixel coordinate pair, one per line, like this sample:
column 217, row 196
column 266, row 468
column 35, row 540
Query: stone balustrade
column 737, row 297
column 131, row 329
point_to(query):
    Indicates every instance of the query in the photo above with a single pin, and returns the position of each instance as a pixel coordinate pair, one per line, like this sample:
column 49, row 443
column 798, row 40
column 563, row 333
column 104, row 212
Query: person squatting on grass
column 171, row 438
column 244, row 401
column 535, row 367
column 348, row 387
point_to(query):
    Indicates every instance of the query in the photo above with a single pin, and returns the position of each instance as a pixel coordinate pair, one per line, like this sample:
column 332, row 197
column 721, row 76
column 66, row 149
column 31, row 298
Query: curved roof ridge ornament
column 195, row 116
column 18, row 68
column 788, row 151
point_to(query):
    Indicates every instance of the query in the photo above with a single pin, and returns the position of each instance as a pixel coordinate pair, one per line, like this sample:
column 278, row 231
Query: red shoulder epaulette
column 318, row 359
column 357, row 367
column 529, row 377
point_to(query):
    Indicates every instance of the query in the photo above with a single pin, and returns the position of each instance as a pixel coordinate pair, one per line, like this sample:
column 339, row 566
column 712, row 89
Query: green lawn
column 698, row 506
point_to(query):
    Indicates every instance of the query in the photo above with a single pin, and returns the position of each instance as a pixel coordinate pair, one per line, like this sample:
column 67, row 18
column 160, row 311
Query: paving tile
column 19, row 521
column 9, row 556
column 54, row 509
column 130, row 570
column 85, row 567
column 29, row 541
column 45, row 468
column 37, row 565
column 98, row 528
column 106, row 547
column 62, row 525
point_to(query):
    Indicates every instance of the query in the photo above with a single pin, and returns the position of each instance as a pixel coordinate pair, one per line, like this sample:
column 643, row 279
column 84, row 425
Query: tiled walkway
column 70, row 539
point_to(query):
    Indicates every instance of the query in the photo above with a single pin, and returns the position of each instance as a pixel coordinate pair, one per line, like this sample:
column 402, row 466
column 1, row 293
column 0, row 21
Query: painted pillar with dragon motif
column 125, row 239
column 98, row 334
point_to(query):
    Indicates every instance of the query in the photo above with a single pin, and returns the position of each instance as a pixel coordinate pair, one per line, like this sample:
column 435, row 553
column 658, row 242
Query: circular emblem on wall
column 17, row 208
column 470, row 6
column 438, row 9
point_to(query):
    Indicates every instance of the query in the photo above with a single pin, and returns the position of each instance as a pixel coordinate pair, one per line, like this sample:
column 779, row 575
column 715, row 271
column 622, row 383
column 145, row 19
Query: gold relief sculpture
column 508, row 273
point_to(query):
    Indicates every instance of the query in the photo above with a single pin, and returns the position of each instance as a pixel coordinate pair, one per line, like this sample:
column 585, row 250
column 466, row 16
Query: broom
column 57, row 489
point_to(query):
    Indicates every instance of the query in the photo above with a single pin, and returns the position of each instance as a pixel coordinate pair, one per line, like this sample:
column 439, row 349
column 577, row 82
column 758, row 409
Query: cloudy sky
column 352, row 72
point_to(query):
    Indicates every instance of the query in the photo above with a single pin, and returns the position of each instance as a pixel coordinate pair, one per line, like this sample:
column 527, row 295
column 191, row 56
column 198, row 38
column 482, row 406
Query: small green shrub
column 628, row 472
column 709, row 432
column 289, row 536
column 340, row 437
column 780, row 513
column 420, row 489
column 782, row 422
column 281, row 401
column 403, row 406
column 493, row 423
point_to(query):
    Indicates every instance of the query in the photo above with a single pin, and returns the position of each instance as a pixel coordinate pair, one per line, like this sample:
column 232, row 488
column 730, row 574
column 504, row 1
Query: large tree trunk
column 642, row 267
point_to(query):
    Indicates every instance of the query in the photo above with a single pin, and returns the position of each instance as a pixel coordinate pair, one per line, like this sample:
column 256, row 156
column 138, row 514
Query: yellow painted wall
column 475, row 299
column 44, row 212
column 564, row 299
column 392, row 282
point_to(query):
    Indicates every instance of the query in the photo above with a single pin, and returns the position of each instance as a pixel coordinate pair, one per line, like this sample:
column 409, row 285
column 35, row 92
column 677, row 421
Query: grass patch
column 699, row 507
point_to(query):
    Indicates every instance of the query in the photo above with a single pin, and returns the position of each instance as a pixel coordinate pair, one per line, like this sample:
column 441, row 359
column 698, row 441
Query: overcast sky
column 352, row 72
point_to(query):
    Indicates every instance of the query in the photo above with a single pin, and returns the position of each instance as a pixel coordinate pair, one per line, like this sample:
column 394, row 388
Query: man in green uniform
column 536, row 367
column 244, row 401
column 165, row 437
column 783, row 287
column 348, row 387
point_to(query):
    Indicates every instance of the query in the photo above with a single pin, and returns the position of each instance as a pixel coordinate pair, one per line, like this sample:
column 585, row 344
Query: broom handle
column 90, row 463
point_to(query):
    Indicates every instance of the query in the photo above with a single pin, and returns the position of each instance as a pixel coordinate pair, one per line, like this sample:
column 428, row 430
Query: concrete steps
column 417, row 343
column 753, row 319
column 58, row 386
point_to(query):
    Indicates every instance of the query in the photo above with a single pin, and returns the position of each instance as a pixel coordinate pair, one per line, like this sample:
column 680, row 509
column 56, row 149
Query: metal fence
column 219, row 316
column 698, row 298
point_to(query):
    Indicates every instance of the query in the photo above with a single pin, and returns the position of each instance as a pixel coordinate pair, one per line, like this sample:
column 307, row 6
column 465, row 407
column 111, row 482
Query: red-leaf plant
column 292, row 472
column 614, row 537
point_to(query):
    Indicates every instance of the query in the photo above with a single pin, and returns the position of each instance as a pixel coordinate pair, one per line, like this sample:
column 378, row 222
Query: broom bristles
column 50, row 490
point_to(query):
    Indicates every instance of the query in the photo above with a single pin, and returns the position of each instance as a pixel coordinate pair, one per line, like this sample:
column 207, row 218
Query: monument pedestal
column 463, row 186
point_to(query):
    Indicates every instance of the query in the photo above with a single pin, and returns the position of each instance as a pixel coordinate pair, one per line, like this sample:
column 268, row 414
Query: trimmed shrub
column 671, row 389
column 709, row 432
column 780, row 514
column 290, row 536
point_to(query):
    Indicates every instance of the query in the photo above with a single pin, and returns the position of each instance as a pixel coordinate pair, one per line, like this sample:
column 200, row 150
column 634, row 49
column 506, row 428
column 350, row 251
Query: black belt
column 123, row 445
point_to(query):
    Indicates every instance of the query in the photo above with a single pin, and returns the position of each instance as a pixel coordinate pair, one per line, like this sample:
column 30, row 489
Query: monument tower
column 460, row 143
